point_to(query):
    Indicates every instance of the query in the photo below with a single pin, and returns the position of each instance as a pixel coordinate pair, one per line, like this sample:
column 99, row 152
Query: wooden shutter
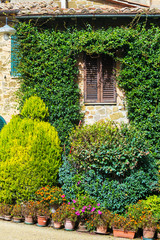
column 108, row 88
column 91, row 79
column 14, row 57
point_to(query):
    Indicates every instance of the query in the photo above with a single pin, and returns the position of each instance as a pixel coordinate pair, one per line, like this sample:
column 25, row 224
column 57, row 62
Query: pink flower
column 83, row 210
column 98, row 204
column 77, row 213
column 84, row 207
column 78, row 182
column 73, row 208
column 93, row 209
column 63, row 196
column 89, row 206
column 99, row 212
column 69, row 203
column 74, row 201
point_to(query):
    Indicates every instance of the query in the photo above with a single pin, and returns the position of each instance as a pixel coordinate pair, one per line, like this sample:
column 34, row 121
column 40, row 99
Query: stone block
column 12, row 84
column 102, row 111
column 116, row 116
column 115, row 109
column 90, row 108
column 93, row 112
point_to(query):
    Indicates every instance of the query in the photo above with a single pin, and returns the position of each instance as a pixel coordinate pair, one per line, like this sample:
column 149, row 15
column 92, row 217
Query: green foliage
column 30, row 156
column 35, row 108
column 152, row 204
column 48, row 69
column 111, row 164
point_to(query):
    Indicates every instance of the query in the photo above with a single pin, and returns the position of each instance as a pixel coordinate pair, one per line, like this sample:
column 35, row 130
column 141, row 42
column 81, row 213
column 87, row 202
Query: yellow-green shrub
column 35, row 108
column 30, row 156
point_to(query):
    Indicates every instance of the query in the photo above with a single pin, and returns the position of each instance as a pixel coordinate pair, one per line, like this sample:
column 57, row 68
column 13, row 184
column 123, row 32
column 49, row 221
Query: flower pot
column 29, row 220
column 148, row 233
column 158, row 235
column 57, row 225
column 123, row 234
column 69, row 225
column 17, row 219
column 42, row 221
column 7, row 217
column 102, row 229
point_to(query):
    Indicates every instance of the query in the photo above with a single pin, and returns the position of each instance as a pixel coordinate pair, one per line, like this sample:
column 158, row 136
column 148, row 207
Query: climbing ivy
column 48, row 67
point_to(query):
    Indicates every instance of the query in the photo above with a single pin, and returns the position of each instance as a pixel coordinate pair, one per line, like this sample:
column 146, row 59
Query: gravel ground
column 21, row 231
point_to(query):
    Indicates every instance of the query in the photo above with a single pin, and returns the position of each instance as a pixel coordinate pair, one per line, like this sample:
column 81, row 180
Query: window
column 99, row 79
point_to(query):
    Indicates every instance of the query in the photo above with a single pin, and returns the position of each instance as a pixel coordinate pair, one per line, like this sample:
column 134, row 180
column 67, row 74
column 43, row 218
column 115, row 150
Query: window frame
column 100, row 99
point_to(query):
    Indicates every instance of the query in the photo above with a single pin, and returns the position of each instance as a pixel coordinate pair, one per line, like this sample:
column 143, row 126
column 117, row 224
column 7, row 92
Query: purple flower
column 99, row 212
column 83, row 210
column 93, row 209
column 74, row 201
column 69, row 203
column 77, row 213
column 78, row 182
column 84, row 207
column 89, row 206
column 98, row 204
column 73, row 208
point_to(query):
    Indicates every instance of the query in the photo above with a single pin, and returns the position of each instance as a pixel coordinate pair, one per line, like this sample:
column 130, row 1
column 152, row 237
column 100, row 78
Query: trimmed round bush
column 110, row 163
column 30, row 156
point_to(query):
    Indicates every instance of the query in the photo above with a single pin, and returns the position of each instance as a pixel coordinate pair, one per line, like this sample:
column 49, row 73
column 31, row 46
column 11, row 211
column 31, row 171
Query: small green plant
column 17, row 210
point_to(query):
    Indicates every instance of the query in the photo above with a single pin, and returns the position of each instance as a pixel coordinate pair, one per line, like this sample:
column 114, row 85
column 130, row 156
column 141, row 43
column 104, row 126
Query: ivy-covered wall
column 48, row 67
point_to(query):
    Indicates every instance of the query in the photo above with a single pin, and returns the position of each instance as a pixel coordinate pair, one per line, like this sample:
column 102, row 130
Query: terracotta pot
column 7, row 217
column 69, row 225
column 102, row 229
column 17, row 219
column 57, row 225
column 29, row 220
column 148, row 232
column 42, row 221
column 123, row 234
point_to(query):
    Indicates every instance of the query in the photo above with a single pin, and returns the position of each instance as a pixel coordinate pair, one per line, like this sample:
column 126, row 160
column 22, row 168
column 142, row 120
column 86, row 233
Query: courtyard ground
column 21, row 231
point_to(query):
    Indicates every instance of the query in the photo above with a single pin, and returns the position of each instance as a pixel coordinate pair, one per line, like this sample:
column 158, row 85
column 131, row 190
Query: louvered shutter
column 108, row 88
column 91, row 79
column 14, row 57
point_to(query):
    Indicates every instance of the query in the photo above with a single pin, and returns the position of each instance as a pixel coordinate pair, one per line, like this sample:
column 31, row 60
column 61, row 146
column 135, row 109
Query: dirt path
column 21, row 231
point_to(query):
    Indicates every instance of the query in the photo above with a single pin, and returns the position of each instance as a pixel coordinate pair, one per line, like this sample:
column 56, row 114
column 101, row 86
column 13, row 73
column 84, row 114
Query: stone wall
column 8, row 85
column 99, row 111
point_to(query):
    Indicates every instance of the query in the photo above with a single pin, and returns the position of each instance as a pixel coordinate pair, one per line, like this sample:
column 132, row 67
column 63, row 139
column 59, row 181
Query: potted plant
column 43, row 214
column 17, row 213
column 124, row 226
column 1, row 210
column 54, row 196
column 158, row 230
column 7, row 209
column 148, row 223
column 69, row 216
column 57, row 218
column 29, row 212
column 84, row 206
column 101, row 220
